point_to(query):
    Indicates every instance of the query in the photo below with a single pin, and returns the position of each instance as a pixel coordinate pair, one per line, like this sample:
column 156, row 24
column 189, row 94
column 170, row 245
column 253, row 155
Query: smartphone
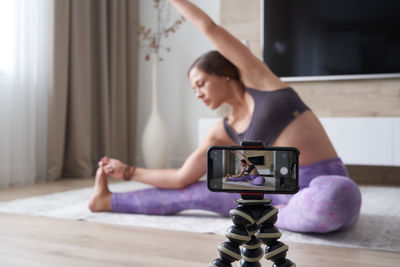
column 268, row 170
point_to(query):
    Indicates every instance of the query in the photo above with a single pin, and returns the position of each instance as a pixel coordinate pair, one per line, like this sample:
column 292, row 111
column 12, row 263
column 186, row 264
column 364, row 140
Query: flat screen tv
column 331, row 39
column 259, row 160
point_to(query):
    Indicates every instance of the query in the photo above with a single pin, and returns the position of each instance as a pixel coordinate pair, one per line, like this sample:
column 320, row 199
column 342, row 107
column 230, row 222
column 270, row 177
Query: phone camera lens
column 284, row 171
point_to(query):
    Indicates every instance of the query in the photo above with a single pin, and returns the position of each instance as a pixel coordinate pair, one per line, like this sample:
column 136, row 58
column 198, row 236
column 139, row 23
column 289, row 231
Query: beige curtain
column 92, row 106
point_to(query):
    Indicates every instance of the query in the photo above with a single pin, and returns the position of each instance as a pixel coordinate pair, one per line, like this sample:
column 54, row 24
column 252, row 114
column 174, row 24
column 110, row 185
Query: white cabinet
column 358, row 141
column 203, row 126
column 362, row 141
column 396, row 141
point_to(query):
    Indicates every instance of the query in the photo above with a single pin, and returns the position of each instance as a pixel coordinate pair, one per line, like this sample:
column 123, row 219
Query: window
column 7, row 35
column 25, row 78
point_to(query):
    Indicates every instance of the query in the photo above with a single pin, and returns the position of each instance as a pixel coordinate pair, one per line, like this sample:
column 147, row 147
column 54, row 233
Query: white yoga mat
column 377, row 228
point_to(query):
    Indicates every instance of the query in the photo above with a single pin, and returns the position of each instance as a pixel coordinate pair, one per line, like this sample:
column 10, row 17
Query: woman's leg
column 329, row 203
column 170, row 201
column 243, row 178
column 163, row 201
column 257, row 180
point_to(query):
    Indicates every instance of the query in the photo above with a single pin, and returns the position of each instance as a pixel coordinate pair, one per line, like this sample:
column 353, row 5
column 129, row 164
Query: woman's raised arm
column 244, row 156
column 254, row 72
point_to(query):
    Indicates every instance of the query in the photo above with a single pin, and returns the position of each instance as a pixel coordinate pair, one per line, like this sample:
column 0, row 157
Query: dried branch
column 152, row 38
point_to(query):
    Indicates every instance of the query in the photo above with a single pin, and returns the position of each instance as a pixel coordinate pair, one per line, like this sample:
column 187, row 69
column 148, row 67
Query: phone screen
column 261, row 170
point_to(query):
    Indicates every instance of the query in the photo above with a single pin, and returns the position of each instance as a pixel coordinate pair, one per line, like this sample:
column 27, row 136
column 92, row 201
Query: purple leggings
column 255, row 179
column 327, row 200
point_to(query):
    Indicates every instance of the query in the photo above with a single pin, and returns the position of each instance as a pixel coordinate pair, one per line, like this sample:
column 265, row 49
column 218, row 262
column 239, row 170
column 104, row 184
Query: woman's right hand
column 113, row 167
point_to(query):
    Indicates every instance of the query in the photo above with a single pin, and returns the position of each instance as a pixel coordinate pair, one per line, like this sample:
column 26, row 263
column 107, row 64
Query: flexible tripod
column 254, row 220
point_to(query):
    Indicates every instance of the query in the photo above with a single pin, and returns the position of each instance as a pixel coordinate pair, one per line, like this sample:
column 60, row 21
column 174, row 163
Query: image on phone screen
column 237, row 170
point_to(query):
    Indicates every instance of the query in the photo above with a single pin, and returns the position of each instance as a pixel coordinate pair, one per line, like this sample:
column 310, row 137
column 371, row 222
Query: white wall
column 177, row 102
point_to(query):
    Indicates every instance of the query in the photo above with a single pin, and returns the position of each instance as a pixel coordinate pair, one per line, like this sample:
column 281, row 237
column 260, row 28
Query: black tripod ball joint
column 253, row 221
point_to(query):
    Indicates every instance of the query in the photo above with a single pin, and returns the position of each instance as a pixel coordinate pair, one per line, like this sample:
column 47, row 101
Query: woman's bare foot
column 101, row 198
column 113, row 167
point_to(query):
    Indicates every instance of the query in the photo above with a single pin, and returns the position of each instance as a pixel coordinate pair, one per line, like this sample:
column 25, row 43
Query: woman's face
column 244, row 165
column 209, row 88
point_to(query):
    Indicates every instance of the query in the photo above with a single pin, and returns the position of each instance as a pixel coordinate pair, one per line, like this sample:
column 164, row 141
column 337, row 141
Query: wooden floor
column 41, row 241
column 17, row 192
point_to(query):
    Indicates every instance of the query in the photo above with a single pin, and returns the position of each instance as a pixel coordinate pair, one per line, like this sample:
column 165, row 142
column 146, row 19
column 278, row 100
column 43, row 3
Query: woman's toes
column 99, row 172
column 105, row 159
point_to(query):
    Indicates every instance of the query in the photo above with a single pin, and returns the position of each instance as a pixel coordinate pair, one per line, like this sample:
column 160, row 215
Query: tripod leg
column 285, row 263
column 268, row 234
column 253, row 225
column 220, row 263
column 237, row 234
column 252, row 251
column 244, row 263
column 228, row 252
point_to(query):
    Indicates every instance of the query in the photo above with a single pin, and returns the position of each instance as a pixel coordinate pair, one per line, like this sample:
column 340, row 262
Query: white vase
column 155, row 137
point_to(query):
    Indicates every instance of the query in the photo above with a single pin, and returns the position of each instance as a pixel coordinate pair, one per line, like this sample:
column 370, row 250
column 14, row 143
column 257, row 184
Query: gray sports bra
column 273, row 111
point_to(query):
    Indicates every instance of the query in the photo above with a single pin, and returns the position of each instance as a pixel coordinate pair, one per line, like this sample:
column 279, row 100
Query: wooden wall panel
column 355, row 98
column 242, row 19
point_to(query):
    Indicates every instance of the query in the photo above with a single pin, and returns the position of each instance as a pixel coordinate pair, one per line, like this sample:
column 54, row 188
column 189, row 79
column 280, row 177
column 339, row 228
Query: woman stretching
column 263, row 108
column 248, row 174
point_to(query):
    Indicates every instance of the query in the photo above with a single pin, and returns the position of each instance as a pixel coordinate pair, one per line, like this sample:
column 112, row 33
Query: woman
column 248, row 174
column 263, row 108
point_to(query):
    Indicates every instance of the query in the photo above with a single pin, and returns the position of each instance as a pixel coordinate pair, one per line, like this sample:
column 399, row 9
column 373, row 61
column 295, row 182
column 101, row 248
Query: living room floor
column 42, row 241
